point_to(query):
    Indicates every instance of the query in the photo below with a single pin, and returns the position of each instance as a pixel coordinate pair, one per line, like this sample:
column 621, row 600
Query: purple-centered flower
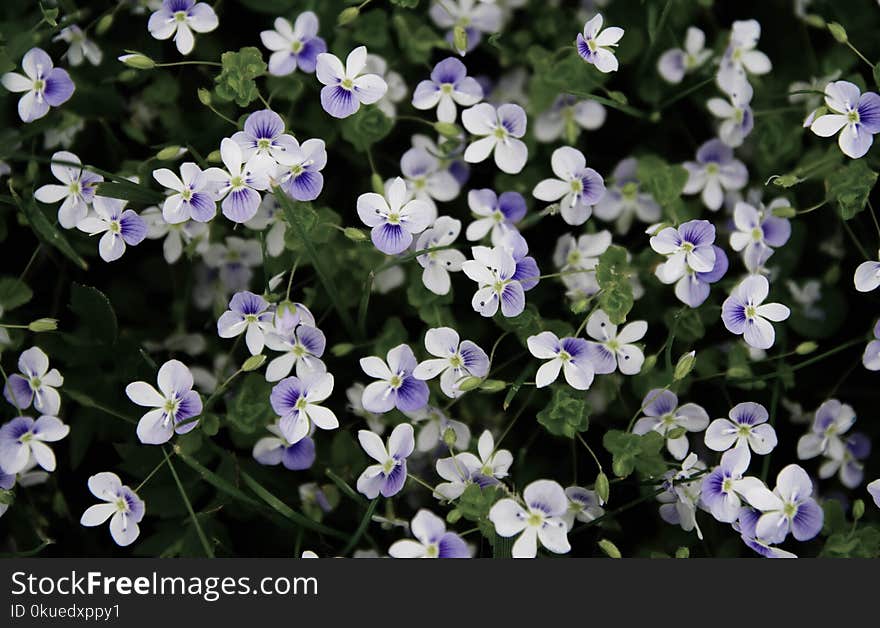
column 394, row 219
column 746, row 524
column 300, row 169
column 293, row 47
column 576, row 188
column 690, row 246
column 747, row 428
column 302, row 345
column 192, row 197
column 757, row 233
column 595, row 44
column 77, row 189
column 676, row 62
column 275, row 449
column 388, row 477
column 493, row 270
column 296, row 400
column 693, row 287
column 248, row 313
column 789, row 507
column 583, row 505
column 124, row 508
column 449, row 85
column 745, row 313
column 438, row 264
column 120, row 226
column 238, row 184
column 176, row 404
column 46, row 85
column 714, row 172
column 664, row 416
column 427, row 179
column 346, row 88
column 36, row 383
column 433, row 541
column 855, row 115
column 454, row 360
column 542, row 519
column 180, row 18
column 571, row 355
column 498, row 130
column 613, row 350
column 23, row 439
column 871, row 356
column 495, row 213
column 476, row 17
column 263, row 141
column 832, row 420
column 723, row 486
column 397, row 386
column 624, row 200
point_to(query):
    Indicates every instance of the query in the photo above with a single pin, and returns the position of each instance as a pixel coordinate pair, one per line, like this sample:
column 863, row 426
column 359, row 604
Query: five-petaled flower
column 176, row 404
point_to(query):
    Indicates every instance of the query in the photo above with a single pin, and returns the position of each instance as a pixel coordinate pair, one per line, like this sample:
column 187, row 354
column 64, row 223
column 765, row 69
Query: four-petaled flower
column 571, row 355
column 744, row 312
column 433, row 541
column 664, row 416
column 454, row 360
column 346, row 88
column 302, row 345
column 583, row 505
column 276, row 449
column 723, row 486
column 542, row 519
column 577, row 187
column 789, row 507
column 46, row 85
column 615, row 350
column 176, row 404
column 595, row 44
column 394, row 219
column 180, row 18
column 832, row 420
column 757, row 233
column 688, row 247
column 263, row 141
column 192, row 198
column 449, row 84
column 120, row 226
column 296, row 46
column 498, row 130
column 855, row 115
column 77, row 189
column 22, row 439
column 675, row 63
column 124, row 508
column 493, row 270
column 388, row 477
column 397, row 386
column 36, row 383
column 296, row 400
column 438, row 264
column 238, row 184
column 747, row 428
column 715, row 171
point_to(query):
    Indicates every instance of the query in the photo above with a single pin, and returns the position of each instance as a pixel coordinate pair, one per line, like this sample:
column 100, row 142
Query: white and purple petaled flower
column 571, row 355
column 397, row 386
column 757, row 233
column 747, row 428
column 595, row 44
column 674, row 64
column 438, row 264
column 527, row 272
column 180, row 18
column 346, row 88
column 388, row 477
column 45, row 85
column 296, row 46
column 577, row 187
column 542, row 519
column 855, row 115
column 433, row 541
column 723, row 486
column 192, row 198
column 737, row 120
column 494, row 270
column 477, row 18
column 449, row 84
column 394, row 220
column 124, row 508
column 741, row 57
column 427, row 179
column 300, row 169
column 664, row 416
column 693, row 287
column 867, row 276
column 790, row 507
column 681, row 496
column 746, row 524
column 120, row 226
column 566, row 117
column 248, row 313
column 36, row 384
column 454, row 360
column 745, row 313
column 714, row 172
column 23, row 439
column 238, row 184
column 263, row 141
column 832, row 420
column 493, row 463
column 296, row 400
column 77, row 189
column 459, row 471
column 274, row 450
column 495, row 213
column 583, row 505
column 624, row 200
column 302, row 346
column 615, row 350
column 498, row 130
column 176, row 404
column 871, row 356
column 690, row 246
column 580, row 255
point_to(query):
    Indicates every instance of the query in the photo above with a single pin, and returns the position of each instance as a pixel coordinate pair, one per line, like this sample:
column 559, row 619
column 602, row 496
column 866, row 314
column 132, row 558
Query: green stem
column 361, row 527
column 192, row 515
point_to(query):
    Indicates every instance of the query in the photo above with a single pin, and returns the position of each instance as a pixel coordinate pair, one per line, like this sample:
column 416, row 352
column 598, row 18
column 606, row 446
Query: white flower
column 577, row 187
column 80, row 46
column 23, row 440
column 595, row 45
column 180, row 18
column 192, row 197
column 741, row 56
column 435, row 427
column 855, row 115
column 832, row 420
column 175, row 236
column 498, row 130
column 675, row 63
column 867, row 276
column 393, row 218
column 438, row 264
column 744, row 312
column 493, row 270
column 583, row 505
column 36, row 383
column 346, row 88
column 681, row 498
column 571, row 355
column 238, row 184
column 433, row 541
column 747, row 427
column 176, row 404
column 120, row 226
column 540, row 520
column 615, row 350
column 736, row 115
column 77, row 189
column 123, row 505
column 454, row 360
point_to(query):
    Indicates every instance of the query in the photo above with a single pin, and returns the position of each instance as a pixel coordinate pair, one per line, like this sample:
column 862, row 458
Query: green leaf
column 612, row 274
column 849, row 187
column 661, row 180
column 366, row 127
column 632, row 452
column 95, row 313
column 249, row 410
column 13, row 293
column 132, row 192
column 236, row 79
column 406, row 4
column 47, row 232
column 877, row 74
column 567, row 413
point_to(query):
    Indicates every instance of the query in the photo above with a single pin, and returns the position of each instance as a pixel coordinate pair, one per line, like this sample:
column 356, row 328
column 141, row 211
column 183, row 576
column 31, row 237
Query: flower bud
column 138, row 61
column 838, row 32
column 378, row 184
column 204, row 96
column 493, row 385
column 104, row 24
column 170, row 152
column 618, row 97
column 342, row 349
column 806, row 347
column 609, row 548
column 214, row 157
column 580, row 306
column 453, row 516
column 682, row 552
column 649, row 363
column 354, row 234
column 253, row 363
column 469, row 383
column 784, row 212
column 816, row 21
column 685, row 365
column 447, row 129
column 858, row 509
column 43, row 324
column 6, row 497
column 786, row 180
column 603, row 487
column 449, row 437
column 738, row 372
column 459, row 38
column 620, row 468
column 678, row 432
column 348, row 15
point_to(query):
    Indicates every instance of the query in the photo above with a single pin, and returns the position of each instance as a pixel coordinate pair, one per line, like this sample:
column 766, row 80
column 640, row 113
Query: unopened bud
column 447, row 129
column 677, row 432
column 6, row 497
column 453, row 516
column 253, row 363
column 469, row 383
column 816, row 21
column 609, row 548
column 682, row 552
column 649, row 363
column 342, row 349
column 493, row 385
column 348, row 15
column 138, row 61
column 354, row 234
column 806, row 347
column 377, row 183
column 618, row 97
column 214, row 157
column 460, row 39
column 204, row 96
column 170, row 152
column 858, row 510
column 838, row 32
column 603, row 487
column 449, row 437
column 43, row 324
column 685, row 365
column 104, row 24
column 786, row 180
column 784, row 212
